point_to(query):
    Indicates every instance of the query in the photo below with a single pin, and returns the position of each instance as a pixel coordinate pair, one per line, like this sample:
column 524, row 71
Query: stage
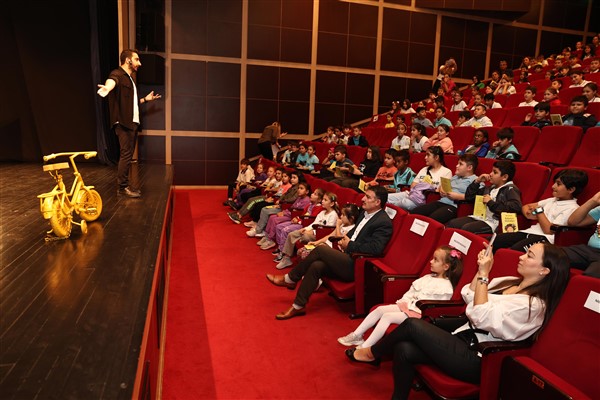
column 73, row 312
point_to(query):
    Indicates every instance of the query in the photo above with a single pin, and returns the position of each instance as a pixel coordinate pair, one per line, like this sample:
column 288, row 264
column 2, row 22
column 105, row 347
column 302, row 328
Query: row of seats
column 555, row 145
column 385, row 279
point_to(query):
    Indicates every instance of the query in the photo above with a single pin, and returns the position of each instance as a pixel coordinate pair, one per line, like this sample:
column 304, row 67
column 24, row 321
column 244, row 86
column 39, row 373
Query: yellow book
column 509, row 222
column 427, row 179
column 362, row 185
column 479, row 210
column 445, row 184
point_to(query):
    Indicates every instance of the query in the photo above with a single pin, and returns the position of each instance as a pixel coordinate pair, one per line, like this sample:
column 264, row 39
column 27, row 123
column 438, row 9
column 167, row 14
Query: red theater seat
column 556, row 145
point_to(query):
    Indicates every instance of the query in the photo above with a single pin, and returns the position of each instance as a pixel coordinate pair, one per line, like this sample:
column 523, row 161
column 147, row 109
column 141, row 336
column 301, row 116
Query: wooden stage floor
column 72, row 312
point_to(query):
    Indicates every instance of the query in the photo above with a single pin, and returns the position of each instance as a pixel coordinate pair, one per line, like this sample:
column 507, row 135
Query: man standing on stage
column 123, row 102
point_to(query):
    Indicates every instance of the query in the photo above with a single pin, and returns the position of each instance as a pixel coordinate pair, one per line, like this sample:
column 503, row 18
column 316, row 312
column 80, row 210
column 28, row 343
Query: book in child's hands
column 556, row 119
column 480, row 209
column 445, row 184
column 362, row 185
column 509, row 222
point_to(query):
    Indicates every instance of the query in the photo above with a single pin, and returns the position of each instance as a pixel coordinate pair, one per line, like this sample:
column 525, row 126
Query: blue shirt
column 459, row 185
column 442, row 121
column 404, row 178
column 594, row 239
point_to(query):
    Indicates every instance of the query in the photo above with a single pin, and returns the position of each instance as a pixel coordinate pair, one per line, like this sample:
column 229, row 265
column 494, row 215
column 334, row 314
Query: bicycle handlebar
column 86, row 154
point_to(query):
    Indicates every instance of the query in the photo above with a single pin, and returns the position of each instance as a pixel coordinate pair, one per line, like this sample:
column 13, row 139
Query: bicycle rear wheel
column 89, row 205
column 59, row 221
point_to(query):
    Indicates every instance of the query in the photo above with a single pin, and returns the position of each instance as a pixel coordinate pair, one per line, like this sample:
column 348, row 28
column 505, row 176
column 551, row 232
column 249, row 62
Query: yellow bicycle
column 58, row 205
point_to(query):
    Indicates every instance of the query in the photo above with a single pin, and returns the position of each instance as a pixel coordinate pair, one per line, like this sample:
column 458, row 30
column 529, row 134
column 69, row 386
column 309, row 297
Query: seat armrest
column 551, row 164
column 494, row 347
column 564, row 228
column 428, row 304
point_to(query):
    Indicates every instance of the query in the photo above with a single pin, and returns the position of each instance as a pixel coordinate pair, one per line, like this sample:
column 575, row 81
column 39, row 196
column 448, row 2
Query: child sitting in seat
column 441, row 139
column 290, row 155
column 428, row 178
column 529, row 97
column 252, row 189
column 278, row 185
column 446, row 208
column 479, row 118
column 244, row 178
column 542, row 116
column 402, row 141
column 370, row 164
column 501, row 196
column 306, row 161
column 327, row 217
column 301, row 202
column 463, row 117
column 404, row 176
column 503, row 148
column 389, row 121
column 285, row 228
column 421, row 118
column 440, row 117
column 459, row 104
column 262, row 211
column 551, row 97
column 480, row 145
column 578, row 116
column 330, row 138
column 590, row 91
column 555, row 210
column 385, row 175
column 489, row 101
column 406, row 107
column 418, row 137
column 446, row 268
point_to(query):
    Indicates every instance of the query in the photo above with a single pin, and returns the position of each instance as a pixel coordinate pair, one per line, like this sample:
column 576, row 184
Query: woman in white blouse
column 506, row 308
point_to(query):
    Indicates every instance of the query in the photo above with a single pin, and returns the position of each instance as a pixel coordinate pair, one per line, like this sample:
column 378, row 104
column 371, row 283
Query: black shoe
column 232, row 205
column 350, row 354
column 134, row 194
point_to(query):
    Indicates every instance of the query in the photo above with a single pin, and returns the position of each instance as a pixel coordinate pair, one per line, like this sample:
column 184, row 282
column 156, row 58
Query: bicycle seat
column 57, row 166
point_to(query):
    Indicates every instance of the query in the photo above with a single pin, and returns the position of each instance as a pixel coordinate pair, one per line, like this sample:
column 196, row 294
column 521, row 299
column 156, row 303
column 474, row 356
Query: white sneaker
column 261, row 241
column 284, row 263
column 251, row 233
column 250, row 224
column 258, row 234
column 351, row 339
column 319, row 285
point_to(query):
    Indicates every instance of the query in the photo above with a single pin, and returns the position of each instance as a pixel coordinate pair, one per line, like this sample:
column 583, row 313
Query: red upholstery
column 516, row 116
column 514, row 100
column 566, row 93
column 556, row 145
column 588, row 153
column 525, row 139
column 531, row 179
column 346, row 290
column 594, row 109
column 566, row 354
column 497, row 115
column 462, row 136
column 501, row 98
column 407, row 257
column 356, row 153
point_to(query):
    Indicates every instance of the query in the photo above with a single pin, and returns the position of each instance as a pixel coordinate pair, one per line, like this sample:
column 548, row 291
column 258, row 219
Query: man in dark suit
column 371, row 234
column 124, row 102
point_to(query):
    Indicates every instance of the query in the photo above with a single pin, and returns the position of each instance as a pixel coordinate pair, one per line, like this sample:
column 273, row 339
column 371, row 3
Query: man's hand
column 343, row 242
column 151, row 96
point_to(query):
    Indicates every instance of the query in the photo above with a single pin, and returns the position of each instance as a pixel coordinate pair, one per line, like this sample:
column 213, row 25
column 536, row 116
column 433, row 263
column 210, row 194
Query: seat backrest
column 356, row 153
column 569, row 346
column 556, row 144
column 500, row 98
column 505, row 263
column 469, row 245
column 590, row 189
column 531, row 179
column 566, row 93
column 594, row 109
column 497, row 115
column 588, row 152
column 514, row 100
column 416, row 240
column 515, row 116
column 525, row 139
column 462, row 136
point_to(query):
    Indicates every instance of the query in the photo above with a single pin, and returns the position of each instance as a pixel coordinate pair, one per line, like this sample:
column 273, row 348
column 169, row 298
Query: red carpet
column 223, row 341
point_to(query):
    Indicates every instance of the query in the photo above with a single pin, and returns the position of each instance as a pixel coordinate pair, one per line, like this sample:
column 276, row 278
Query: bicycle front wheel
column 60, row 221
column 89, row 205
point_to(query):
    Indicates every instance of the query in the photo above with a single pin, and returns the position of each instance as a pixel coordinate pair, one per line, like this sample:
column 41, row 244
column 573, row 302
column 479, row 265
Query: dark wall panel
column 333, row 16
column 263, row 42
column 327, row 114
column 260, row 113
column 390, row 89
column 204, row 161
column 296, row 45
column 332, row 49
column 331, row 87
column 262, row 82
column 152, row 149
